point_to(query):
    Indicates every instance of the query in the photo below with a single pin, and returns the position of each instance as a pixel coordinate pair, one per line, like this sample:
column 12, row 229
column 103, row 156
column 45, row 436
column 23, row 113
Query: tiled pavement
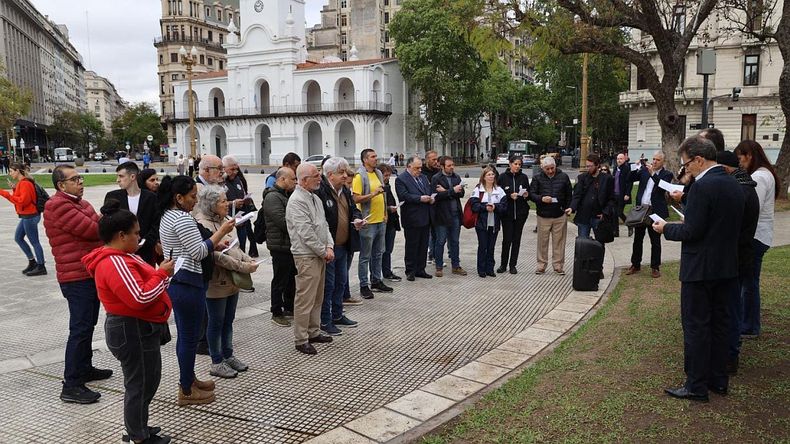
column 447, row 337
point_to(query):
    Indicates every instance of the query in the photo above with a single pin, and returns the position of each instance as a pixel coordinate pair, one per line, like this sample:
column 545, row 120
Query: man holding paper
column 551, row 191
column 412, row 187
column 650, row 176
column 447, row 214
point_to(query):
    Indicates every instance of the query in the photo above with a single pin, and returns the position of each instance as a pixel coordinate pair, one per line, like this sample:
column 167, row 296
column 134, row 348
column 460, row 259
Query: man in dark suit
column 649, row 176
column 413, row 189
column 708, row 268
column 622, row 188
column 143, row 204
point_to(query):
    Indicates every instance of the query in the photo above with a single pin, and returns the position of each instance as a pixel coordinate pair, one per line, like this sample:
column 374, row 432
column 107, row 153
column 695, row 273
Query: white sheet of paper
column 245, row 218
column 368, row 216
column 682, row 216
column 433, row 196
column 141, row 243
column 401, row 204
column 634, row 166
column 521, row 190
column 657, row 218
column 554, row 200
column 178, row 265
column 260, row 261
column 232, row 244
column 247, row 196
column 664, row 185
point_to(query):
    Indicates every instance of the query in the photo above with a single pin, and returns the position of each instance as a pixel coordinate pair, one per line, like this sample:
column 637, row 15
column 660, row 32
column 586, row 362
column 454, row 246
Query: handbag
column 241, row 280
column 639, row 216
column 604, row 231
column 470, row 217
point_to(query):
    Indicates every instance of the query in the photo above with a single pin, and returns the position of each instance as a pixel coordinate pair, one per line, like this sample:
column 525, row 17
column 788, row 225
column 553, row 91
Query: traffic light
column 736, row 92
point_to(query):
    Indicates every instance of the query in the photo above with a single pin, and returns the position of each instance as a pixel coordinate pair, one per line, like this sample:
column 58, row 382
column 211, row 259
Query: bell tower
column 281, row 18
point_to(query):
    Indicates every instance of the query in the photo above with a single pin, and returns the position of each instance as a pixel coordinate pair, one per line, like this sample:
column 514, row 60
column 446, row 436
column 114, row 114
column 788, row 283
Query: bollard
column 466, row 175
column 262, row 172
column 161, row 170
column 246, row 172
column 86, row 170
column 49, row 170
column 104, row 170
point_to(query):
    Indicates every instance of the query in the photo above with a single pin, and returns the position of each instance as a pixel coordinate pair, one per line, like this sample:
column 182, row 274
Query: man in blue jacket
column 414, row 191
column 649, row 175
column 708, row 268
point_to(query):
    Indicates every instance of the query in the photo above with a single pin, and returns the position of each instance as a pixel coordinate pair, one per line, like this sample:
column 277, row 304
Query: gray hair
column 304, row 170
column 547, row 161
column 228, row 160
column 207, row 198
column 333, row 164
column 412, row 159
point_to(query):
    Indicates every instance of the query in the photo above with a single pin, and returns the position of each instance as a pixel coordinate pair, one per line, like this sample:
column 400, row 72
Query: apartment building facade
column 104, row 102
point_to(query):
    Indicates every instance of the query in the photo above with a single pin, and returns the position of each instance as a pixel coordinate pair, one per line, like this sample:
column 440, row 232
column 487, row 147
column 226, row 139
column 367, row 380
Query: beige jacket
column 307, row 226
column 221, row 283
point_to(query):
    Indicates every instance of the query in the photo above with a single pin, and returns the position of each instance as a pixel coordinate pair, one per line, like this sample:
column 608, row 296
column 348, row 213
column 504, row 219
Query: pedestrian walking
column 146, row 160
column 515, row 184
column 489, row 202
column 551, row 191
column 191, row 166
column 24, row 197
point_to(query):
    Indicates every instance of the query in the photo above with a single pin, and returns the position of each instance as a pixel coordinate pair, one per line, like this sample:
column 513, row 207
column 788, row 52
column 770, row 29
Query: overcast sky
column 121, row 39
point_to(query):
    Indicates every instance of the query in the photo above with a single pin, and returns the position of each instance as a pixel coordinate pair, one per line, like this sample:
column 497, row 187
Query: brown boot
column 206, row 386
column 632, row 270
column 439, row 272
column 196, row 397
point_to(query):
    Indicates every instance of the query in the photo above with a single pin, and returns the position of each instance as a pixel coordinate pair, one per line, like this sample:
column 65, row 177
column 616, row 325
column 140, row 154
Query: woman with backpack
column 24, row 198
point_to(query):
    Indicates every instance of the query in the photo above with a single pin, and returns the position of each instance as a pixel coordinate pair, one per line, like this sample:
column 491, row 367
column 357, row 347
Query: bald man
column 210, row 170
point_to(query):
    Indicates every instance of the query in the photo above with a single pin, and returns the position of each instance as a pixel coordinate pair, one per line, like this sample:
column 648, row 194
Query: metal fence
column 287, row 109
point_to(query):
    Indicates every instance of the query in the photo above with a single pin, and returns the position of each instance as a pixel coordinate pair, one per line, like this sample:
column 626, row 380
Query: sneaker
column 439, row 272
column 459, row 271
column 366, row 293
column 320, row 339
column 223, row 370
column 40, row 270
column 559, row 271
column 345, row 322
column 288, row 314
column 352, row 301
column 540, row 271
column 236, row 364
column 281, row 321
column 393, row 278
column 430, row 260
column 79, row 395
column 97, row 374
column 151, row 432
column 244, row 290
column 158, row 439
column 331, row 330
column 381, row 287
column 196, row 396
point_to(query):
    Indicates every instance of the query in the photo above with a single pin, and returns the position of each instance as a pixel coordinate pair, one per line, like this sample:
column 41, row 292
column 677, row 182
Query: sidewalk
column 407, row 340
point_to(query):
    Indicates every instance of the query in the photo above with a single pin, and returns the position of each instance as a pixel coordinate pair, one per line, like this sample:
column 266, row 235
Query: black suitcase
column 587, row 264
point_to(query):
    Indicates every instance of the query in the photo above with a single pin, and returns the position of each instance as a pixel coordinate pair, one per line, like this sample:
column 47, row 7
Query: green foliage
column 76, row 129
column 136, row 124
column 15, row 102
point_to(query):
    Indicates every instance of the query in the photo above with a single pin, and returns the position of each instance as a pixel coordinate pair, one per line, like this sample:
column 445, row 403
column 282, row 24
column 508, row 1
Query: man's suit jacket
column 147, row 215
column 625, row 183
column 658, row 199
column 710, row 229
column 413, row 213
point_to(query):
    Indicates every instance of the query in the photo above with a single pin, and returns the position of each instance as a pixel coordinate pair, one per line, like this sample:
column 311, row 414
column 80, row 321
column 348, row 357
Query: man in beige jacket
column 312, row 248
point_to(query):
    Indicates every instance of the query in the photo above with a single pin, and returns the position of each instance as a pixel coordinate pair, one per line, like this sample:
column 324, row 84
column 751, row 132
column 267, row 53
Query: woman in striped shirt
column 181, row 238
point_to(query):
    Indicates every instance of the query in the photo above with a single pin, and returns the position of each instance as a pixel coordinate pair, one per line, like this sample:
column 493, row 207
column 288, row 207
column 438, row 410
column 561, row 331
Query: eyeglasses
column 684, row 165
column 75, row 179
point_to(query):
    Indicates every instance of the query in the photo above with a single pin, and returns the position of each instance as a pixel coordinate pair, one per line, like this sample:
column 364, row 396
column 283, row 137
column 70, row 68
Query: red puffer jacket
column 72, row 227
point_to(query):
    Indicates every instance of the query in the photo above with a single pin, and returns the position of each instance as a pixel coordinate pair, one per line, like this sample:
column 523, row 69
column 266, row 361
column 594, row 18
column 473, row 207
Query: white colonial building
column 271, row 101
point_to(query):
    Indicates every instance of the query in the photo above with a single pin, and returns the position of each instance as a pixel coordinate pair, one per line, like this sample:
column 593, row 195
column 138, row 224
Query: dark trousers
column 655, row 247
column 736, row 311
column 511, row 240
column 135, row 343
column 83, row 315
column 389, row 247
column 189, row 308
column 245, row 232
column 486, row 241
column 705, row 314
column 219, row 332
column 335, row 283
column 283, row 282
column 416, row 246
column 751, row 293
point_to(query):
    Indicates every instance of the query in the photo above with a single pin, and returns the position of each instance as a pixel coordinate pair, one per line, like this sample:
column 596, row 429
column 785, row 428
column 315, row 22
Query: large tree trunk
column 783, row 39
column 671, row 130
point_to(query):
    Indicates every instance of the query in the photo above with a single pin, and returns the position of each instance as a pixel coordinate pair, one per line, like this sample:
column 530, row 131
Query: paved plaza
column 423, row 332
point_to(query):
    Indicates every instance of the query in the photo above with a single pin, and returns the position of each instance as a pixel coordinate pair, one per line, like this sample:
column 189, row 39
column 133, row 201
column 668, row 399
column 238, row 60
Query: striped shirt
column 179, row 233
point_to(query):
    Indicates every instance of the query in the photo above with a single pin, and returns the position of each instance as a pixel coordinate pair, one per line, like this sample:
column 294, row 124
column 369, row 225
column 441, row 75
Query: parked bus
column 64, row 154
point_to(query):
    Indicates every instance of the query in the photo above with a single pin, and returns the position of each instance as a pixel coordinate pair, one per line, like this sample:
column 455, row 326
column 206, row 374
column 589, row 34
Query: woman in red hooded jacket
column 24, row 200
column 134, row 295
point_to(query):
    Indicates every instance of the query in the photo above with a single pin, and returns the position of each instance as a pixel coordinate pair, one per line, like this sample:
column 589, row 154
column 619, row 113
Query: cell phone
column 643, row 161
column 171, row 254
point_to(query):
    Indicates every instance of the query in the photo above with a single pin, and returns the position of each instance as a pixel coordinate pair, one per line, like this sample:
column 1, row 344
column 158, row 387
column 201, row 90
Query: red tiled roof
column 210, row 75
column 315, row 65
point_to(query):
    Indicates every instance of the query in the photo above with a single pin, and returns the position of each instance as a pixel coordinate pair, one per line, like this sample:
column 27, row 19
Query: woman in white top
column 752, row 158
column 488, row 201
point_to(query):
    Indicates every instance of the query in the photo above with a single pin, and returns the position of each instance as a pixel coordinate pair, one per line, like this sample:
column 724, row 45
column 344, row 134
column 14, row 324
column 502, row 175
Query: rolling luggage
column 587, row 264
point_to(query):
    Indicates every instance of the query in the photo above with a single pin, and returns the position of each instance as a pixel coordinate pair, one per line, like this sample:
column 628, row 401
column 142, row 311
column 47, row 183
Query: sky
column 116, row 39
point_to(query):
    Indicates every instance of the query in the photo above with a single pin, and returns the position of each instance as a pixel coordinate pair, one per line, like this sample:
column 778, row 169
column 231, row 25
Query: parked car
column 99, row 156
column 527, row 160
column 315, row 160
column 502, row 160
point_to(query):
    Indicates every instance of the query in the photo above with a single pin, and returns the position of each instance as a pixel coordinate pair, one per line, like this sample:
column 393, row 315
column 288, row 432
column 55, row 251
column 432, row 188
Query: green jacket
column 275, row 200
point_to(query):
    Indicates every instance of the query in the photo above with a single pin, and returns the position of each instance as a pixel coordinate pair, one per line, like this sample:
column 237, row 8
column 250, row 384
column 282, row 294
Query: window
column 679, row 18
column 343, row 4
column 343, row 38
column 173, row 57
column 221, row 65
column 386, row 2
column 219, row 15
column 202, row 59
column 210, row 61
column 641, row 83
column 682, row 123
column 748, row 126
column 208, row 12
column 174, row 77
column 163, row 108
column 210, row 36
column 754, row 15
column 161, row 84
column 343, row 55
column 386, row 36
column 387, row 53
column 751, row 70
column 343, row 20
column 161, row 59
column 386, row 17
column 221, row 39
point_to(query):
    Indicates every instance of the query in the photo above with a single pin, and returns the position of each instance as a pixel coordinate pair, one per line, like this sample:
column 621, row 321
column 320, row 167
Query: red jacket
column 128, row 286
column 23, row 198
column 72, row 227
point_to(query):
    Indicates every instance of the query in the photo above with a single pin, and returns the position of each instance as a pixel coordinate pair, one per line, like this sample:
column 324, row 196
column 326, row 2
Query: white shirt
column 649, row 189
column 392, row 161
column 700, row 175
column 766, row 190
column 134, row 203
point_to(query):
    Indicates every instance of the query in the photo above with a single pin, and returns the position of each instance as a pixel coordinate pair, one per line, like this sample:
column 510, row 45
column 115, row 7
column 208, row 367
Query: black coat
column 592, row 197
column 558, row 187
column 327, row 196
column 275, row 199
column 710, row 229
column 148, row 216
column 625, row 183
column 393, row 219
column 751, row 214
column 510, row 183
column 446, row 200
column 658, row 199
column 414, row 213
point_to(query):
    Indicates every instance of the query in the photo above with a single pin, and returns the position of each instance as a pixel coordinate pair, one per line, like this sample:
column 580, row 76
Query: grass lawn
column 605, row 383
column 45, row 180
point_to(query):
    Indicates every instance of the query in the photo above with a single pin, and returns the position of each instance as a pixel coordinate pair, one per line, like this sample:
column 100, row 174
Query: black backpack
column 41, row 196
column 259, row 227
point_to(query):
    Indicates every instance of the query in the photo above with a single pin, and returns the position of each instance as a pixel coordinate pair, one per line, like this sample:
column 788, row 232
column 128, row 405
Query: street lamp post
column 189, row 59
column 575, row 110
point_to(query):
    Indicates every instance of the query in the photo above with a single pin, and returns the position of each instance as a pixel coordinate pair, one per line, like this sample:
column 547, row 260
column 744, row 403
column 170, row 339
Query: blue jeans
column 335, row 284
column 372, row 248
column 585, row 229
column 29, row 227
column 349, row 260
column 189, row 307
column 219, row 332
column 751, row 293
column 389, row 247
column 451, row 235
column 486, row 241
column 84, row 304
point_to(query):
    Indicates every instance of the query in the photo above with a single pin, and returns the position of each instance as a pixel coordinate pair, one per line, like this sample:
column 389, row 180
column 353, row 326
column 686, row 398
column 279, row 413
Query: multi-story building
column 37, row 55
column 103, row 99
column 188, row 23
column 741, row 62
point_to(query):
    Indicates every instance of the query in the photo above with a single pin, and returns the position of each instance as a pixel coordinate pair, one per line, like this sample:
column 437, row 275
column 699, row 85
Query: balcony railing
column 187, row 41
column 339, row 107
